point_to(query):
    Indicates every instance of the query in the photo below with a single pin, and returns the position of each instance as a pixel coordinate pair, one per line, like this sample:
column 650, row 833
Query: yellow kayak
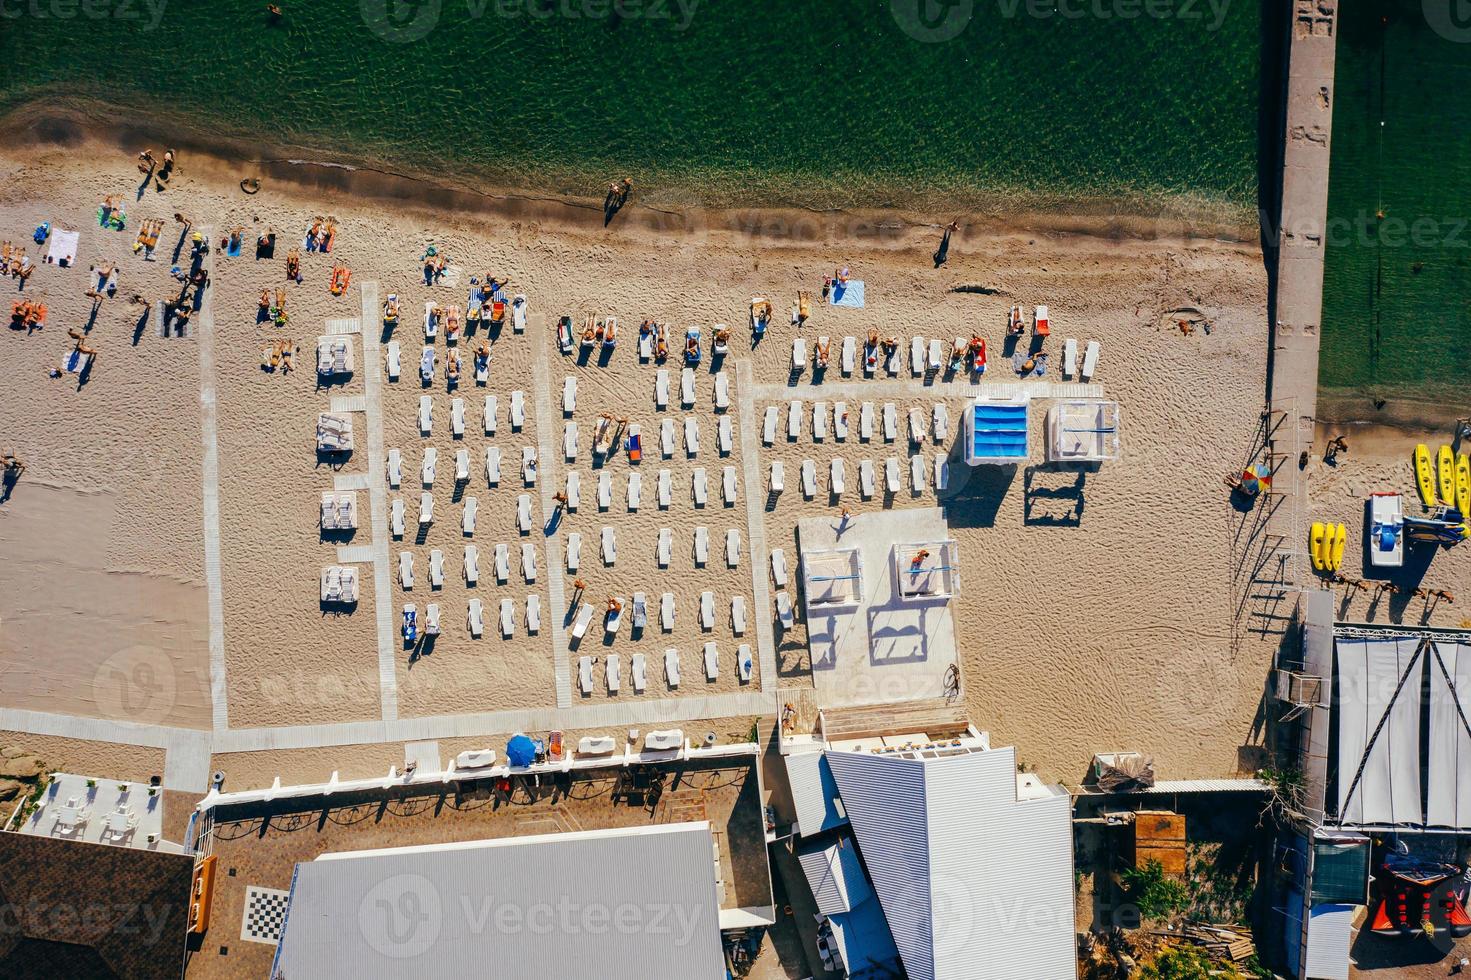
column 1335, row 548
column 1447, row 468
column 1463, row 484
column 1425, row 476
column 1317, row 538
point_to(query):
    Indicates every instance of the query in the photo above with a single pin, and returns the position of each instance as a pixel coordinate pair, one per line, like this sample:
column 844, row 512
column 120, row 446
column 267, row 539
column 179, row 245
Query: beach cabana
column 1084, row 431
column 996, row 430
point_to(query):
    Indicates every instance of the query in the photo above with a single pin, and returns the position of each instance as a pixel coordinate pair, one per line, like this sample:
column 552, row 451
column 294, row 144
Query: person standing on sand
column 1331, row 451
column 943, row 252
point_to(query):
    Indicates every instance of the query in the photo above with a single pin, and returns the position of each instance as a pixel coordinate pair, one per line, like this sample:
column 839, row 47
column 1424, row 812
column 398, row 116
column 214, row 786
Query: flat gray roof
column 610, row 904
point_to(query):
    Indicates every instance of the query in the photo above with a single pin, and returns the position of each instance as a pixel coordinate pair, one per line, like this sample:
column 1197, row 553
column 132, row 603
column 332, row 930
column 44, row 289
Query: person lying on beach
column 722, row 336
column 161, row 179
column 81, row 346
column 804, row 307
column 614, row 606
column 452, row 365
column 390, row 311
column 823, row 350
column 293, row 265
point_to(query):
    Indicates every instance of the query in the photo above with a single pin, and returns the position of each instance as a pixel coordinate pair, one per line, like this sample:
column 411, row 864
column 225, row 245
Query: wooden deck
column 936, row 718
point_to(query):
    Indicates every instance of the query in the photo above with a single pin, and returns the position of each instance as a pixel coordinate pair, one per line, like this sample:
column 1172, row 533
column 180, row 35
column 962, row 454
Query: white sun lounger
column 799, row 355
column 768, row 425
column 666, row 438
column 671, row 666
column 584, row 617
column 850, row 348
column 436, row 569
column 726, row 431
column 406, row 570
column 809, row 479
column 743, row 663
column 640, row 611
column 508, row 618
column 891, row 364
column 584, row 674
column 569, row 441
column 698, row 487
column 457, row 418
column 732, row 548
column 610, row 546
column 502, row 564
column 476, row 618
column 722, row 391
column 569, row 395
column 666, row 489
column 395, row 468
column 916, row 473
column 936, row 352
column 916, row 425
column 646, row 346
column 728, row 486
column 426, row 414
column 942, row 472
column 518, row 410
column 702, row 545
column 865, row 422
column 777, row 482
column 819, row 421
column 661, row 388
column 1069, row 357
column 738, row 614
column 664, row 550
column 428, row 466
column 666, row 611
column 431, row 323
column 574, row 491
column 427, row 360
column 635, row 491
column 794, row 421
column 865, row 478
column 691, row 436
column 941, row 422
column 528, row 465
column 605, row 490
column 707, row 610
column 491, row 410
column 916, row 355
column 533, row 614
column 891, row 474
column 712, row 661
column 835, row 478
column 840, row 421
column 528, row 562
column 493, row 465
column 612, row 622
column 396, row 522
column 523, row 513
column 1090, row 361
column 482, row 371
column 638, row 672
column 779, row 567
column 394, row 360
column 472, row 564
column 891, row 422
column 518, row 313
column 784, row 609
column 687, row 387
column 431, row 619
column 574, row 551
column 426, row 508
column 462, row 465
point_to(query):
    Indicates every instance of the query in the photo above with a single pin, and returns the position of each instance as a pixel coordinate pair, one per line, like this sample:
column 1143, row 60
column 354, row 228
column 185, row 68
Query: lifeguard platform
column 877, row 593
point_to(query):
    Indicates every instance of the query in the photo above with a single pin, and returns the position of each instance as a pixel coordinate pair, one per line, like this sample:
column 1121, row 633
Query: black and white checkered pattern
column 265, row 914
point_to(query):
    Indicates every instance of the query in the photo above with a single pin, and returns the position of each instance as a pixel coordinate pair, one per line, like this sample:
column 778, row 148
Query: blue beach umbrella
column 520, row 750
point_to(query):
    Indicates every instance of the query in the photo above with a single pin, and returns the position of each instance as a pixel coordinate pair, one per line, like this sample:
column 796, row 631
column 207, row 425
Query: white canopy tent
column 1378, row 695
column 1085, row 431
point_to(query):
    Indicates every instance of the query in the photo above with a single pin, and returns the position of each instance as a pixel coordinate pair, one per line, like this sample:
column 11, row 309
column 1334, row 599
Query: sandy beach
column 1144, row 643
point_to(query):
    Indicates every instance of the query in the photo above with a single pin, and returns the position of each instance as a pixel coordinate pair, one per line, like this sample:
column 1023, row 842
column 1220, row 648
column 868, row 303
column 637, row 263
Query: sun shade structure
column 622, row 904
column 996, row 431
column 1084, row 431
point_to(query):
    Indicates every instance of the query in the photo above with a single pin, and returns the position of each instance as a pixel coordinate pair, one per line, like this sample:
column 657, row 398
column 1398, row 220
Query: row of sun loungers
column 638, row 669
column 1070, row 359
column 491, row 419
column 612, row 622
column 837, row 476
column 720, row 395
column 470, row 566
column 475, row 617
column 469, row 516
column 701, row 550
column 429, row 463
column 919, row 429
column 725, row 434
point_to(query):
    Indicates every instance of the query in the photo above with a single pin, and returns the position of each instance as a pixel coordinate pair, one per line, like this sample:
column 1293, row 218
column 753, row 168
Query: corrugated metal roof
column 975, row 884
column 837, row 879
column 814, row 794
column 601, row 905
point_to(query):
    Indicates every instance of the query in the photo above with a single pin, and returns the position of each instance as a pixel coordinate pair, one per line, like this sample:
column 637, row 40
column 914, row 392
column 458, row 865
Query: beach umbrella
column 520, row 750
column 1256, row 478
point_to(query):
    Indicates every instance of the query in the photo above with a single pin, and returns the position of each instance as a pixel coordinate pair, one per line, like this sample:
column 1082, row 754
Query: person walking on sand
column 1337, row 445
column 578, row 585
column 14, row 465
column 560, row 499
column 943, row 252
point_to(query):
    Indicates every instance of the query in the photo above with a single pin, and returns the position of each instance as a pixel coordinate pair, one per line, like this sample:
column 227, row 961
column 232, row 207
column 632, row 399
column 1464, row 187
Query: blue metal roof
column 1000, row 431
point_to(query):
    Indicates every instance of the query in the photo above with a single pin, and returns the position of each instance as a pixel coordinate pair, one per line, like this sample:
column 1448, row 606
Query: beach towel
column 63, row 247
column 850, row 294
column 232, row 249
